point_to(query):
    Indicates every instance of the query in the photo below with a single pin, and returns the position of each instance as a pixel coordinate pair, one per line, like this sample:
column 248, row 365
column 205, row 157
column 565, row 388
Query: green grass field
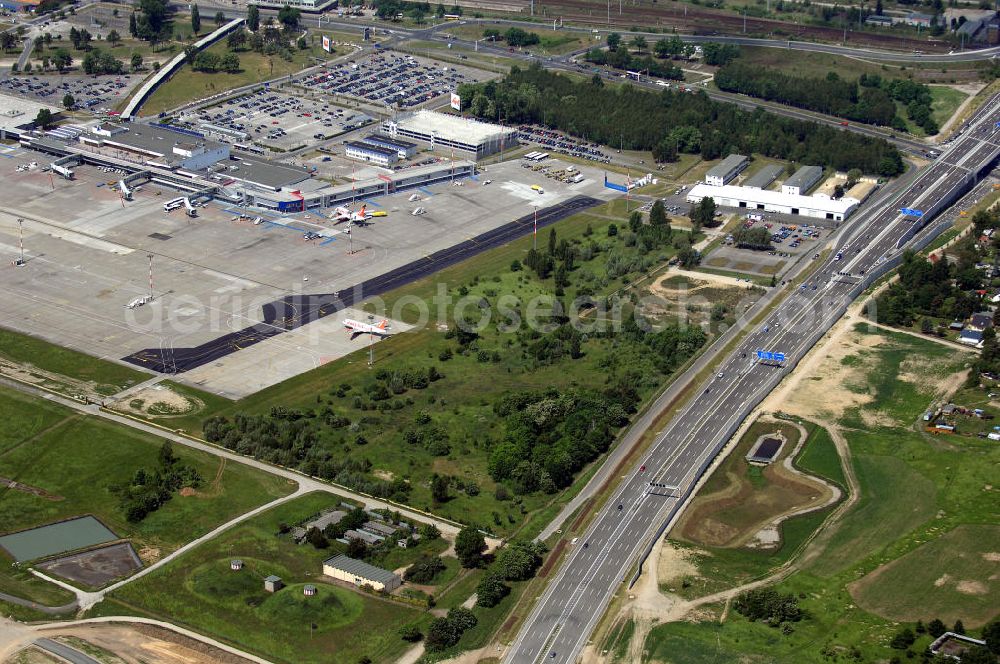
column 73, row 459
column 102, row 376
column 804, row 63
column 965, row 588
column 918, row 544
column 187, row 85
column 199, row 590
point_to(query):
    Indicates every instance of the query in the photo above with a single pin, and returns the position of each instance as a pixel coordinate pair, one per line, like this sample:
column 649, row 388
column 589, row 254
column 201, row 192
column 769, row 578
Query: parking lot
column 87, row 259
column 554, row 141
column 275, row 119
column 91, row 93
column 391, row 79
column 790, row 241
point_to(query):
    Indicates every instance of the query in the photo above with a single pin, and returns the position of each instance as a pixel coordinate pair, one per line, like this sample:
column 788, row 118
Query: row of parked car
column 556, row 142
column 387, row 79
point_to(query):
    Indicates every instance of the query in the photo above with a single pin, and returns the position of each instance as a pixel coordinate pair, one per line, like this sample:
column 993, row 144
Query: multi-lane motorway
column 565, row 615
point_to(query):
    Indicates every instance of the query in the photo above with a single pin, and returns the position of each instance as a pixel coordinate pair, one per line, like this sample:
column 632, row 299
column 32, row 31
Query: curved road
column 563, row 618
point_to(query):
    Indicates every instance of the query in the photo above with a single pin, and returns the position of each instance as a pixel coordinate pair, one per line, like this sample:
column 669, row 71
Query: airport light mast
column 150, row 257
column 20, row 241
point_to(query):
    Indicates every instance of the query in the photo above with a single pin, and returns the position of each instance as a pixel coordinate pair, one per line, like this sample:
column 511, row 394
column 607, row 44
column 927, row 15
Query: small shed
column 308, row 590
column 273, row 584
column 236, row 564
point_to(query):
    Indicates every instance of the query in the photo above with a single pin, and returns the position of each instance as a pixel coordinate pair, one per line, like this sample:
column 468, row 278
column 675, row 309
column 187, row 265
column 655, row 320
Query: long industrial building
column 472, row 138
column 774, row 201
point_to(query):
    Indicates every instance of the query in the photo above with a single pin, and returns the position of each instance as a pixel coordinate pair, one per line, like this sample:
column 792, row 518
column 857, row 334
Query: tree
column 253, row 18
column 289, row 17
column 113, row 37
column 959, row 627
column 28, row 67
column 639, row 43
column 491, row 590
column 410, row 633
column 7, row 41
column 991, row 634
column 44, row 117
column 133, row 29
column 614, row 39
column 68, row 101
column 439, row 488
column 62, row 59
column 936, row 628
column 230, row 63
column 237, row 40
column 136, row 62
column 357, row 549
column 316, row 537
column 195, row 19
column 424, row 570
column 220, row 18
column 469, row 547
column 903, row 639
column 439, row 12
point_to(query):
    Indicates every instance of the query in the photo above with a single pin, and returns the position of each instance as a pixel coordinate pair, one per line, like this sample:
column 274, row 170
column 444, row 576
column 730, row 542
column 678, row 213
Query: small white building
column 360, row 573
column 774, row 201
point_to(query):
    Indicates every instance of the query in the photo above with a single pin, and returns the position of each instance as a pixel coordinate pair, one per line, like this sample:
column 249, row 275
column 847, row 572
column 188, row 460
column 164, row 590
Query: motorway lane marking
column 800, row 345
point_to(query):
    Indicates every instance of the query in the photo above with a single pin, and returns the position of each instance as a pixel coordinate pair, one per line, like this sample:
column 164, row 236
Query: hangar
column 775, row 201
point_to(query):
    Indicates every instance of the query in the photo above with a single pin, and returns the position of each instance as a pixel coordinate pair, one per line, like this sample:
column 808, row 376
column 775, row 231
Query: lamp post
column 20, row 233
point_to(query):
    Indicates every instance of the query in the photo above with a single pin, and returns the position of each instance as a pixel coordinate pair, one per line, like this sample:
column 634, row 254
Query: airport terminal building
column 472, row 139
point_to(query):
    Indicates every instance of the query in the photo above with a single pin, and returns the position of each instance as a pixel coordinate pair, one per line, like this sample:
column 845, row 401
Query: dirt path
column 650, row 606
column 954, row 345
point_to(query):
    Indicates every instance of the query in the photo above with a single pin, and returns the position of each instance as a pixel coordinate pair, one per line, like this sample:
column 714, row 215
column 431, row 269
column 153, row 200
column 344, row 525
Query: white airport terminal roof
column 452, row 126
column 17, row 111
column 772, row 198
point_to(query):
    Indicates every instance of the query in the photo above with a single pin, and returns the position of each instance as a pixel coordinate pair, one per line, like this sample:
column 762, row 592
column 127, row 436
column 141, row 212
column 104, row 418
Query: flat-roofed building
column 404, row 149
column 471, row 138
column 370, row 153
column 774, row 201
column 727, row 169
column 360, row 573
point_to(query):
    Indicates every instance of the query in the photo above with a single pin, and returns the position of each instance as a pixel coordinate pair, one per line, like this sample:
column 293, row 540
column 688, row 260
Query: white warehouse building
column 775, row 201
column 472, row 139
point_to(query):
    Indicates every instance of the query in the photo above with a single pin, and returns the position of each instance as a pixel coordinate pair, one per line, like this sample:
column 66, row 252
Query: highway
column 574, row 600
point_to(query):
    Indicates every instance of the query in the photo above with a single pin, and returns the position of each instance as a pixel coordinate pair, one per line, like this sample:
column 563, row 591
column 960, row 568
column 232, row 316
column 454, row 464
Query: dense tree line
column 445, row 632
column 209, row 62
column 620, row 58
column 717, row 54
column 147, row 491
column 868, row 99
column 513, row 36
column 691, row 123
column 515, row 562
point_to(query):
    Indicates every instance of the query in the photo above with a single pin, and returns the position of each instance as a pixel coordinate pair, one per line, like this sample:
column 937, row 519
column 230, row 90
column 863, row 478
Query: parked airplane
column 344, row 213
column 357, row 328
